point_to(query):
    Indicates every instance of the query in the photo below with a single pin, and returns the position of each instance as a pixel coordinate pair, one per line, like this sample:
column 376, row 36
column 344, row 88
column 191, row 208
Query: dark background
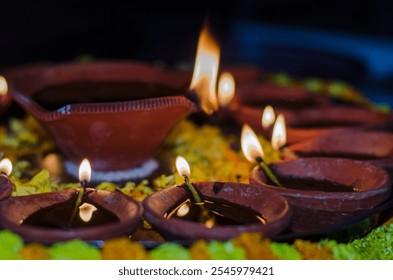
column 149, row 30
column 168, row 31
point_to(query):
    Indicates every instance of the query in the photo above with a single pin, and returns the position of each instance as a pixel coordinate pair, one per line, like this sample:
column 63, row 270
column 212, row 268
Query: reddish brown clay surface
column 15, row 209
column 348, row 143
column 112, row 135
column 270, row 204
column 6, row 187
column 314, row 209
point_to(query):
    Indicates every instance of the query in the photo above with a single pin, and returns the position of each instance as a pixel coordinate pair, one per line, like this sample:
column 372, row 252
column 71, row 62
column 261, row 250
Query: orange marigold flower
column 257, row 247
column 199, row 251
column 313, row 251
column 123, row 249
column 34, row 251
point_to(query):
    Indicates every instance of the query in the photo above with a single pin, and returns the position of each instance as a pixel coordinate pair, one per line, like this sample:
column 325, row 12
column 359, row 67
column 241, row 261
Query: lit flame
column 183, row 210
column 226, row 89
column 84, row 171
column 3, row 86
column 268, row 117
column 251, row 147
column 279, row 136
column 6, row 166
column 210, row 223
column 86, row 211
column 205, row 71
column 182, row 167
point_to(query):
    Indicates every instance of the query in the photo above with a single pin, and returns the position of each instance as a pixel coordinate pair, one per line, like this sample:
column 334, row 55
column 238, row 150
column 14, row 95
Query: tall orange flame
column 204, row 78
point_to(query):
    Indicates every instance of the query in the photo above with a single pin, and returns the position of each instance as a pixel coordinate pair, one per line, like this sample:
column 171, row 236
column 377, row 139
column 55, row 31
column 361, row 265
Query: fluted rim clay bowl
column 136, row 106
column 6, row 187
column 319, row 189
column 274, row 208
column 15, row 209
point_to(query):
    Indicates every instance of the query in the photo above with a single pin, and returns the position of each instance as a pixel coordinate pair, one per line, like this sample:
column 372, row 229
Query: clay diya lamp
column 57, row 216
column 326, row 191
column 215, row 210
column 6, row 187
column 108, row 111
column 373, row 146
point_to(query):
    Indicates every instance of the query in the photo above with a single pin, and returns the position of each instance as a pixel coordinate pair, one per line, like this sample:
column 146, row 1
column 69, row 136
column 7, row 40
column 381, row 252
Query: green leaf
column 225, row 251
column 170, row 251
column 10, row 244
column 285, row 251
column 342, row 251
column 74, row 250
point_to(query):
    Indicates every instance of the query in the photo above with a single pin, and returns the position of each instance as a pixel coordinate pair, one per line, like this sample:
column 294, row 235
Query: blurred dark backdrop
column 167, row 30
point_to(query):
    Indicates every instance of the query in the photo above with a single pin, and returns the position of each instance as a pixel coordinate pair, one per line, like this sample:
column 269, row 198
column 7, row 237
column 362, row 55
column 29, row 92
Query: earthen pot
column 14, row 210
column 114, row 113
column 273, row 207
column 6, row 187
column 326, row 191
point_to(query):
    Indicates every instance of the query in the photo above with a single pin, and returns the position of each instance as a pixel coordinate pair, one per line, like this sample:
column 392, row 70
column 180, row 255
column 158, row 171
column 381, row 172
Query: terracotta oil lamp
column 215, row 210
column 105, row 110
column 82, row 213
column 326, row 191
column 115, row 113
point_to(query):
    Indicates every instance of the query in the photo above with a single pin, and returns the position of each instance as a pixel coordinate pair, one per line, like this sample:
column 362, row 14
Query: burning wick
column 3, row 86
column 84, row 178
column 184, row 170
column 5, row 167
column 268, row 117
column 204, row 77
column 86, row 211
column 279, row 136
column 226, row 89
column 253, row 151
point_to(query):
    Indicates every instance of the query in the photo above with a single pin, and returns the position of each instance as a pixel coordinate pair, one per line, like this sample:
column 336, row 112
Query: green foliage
column 377, row 245
column 342, row 251
column 74, row 250
column 225, row 251
column 285, row 251
column 10, row 244
column 170, row 251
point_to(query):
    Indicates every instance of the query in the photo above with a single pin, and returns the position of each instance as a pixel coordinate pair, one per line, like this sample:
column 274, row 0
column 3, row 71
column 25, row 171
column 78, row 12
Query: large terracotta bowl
column 273, row 207
column 116, row 114
column 321, row 189
column 16, row 209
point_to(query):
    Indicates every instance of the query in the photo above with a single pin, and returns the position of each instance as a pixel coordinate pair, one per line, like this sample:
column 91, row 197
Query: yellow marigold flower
column 257, row 247
column 123, row 249
column 34, row 251
column 199, row 251
column 313, row 251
